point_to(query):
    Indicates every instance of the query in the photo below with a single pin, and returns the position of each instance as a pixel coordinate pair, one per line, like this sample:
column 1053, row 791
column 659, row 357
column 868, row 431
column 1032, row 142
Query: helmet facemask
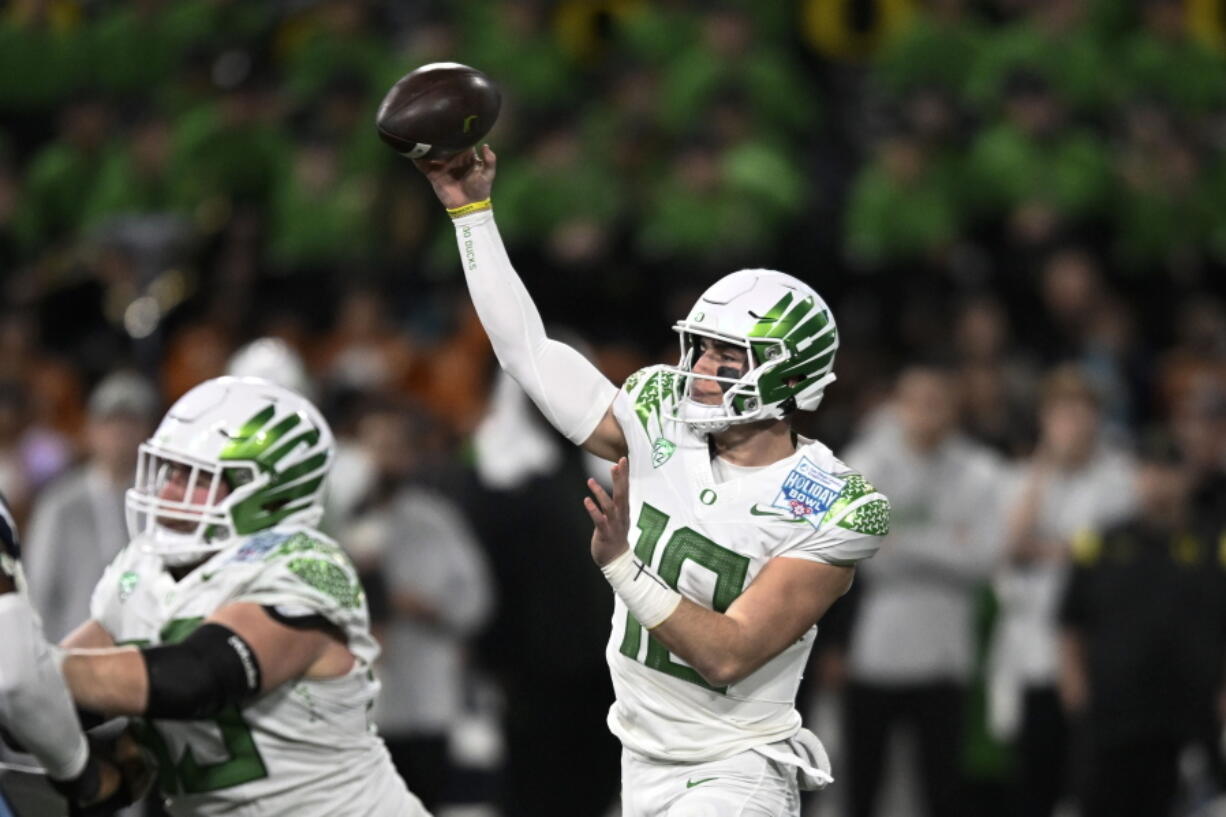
column 191, row 518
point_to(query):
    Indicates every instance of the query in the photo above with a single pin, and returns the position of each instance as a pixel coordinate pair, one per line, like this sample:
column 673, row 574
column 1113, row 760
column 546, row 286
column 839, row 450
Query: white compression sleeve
column 568, row 389
column 34, row 702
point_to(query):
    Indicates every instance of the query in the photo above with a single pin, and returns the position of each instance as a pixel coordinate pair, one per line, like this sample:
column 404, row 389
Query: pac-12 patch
column 661, row 450
column 127, row 584
column 808, row 492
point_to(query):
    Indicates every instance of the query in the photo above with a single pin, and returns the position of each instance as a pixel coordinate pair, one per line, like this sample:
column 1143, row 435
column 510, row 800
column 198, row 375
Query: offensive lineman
column 744, row 532
column 247, row 651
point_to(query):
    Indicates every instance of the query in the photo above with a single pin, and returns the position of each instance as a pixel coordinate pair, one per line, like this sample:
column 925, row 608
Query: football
column 438, row 110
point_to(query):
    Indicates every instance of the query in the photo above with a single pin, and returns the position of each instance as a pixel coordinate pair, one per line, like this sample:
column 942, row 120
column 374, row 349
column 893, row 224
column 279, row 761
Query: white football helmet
column 788, row 333
column 233, row 456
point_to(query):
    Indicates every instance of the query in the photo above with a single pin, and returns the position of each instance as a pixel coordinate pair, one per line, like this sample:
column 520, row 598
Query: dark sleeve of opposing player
column 8, row 546
column 1074, row 610
column 8, row 530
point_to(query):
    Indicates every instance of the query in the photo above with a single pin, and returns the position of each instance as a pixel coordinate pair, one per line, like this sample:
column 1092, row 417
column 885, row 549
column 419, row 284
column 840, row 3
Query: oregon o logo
column 707, row 497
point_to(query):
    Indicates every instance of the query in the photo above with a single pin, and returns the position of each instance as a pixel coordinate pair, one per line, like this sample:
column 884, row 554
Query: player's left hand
column 610, row 515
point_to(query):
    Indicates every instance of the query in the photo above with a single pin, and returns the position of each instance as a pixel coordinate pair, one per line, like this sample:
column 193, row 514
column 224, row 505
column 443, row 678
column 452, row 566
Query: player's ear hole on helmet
column 235, row 478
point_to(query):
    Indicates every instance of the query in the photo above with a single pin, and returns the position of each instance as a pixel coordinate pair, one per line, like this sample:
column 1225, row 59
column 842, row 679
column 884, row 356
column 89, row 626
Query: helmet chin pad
column 703, row 418
column 179, row 548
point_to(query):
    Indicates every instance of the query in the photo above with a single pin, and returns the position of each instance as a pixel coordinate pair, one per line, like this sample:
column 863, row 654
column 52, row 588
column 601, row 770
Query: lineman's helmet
column 247, row 455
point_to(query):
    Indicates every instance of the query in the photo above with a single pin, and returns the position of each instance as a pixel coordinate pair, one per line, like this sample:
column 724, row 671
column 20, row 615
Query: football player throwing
column 743, row 533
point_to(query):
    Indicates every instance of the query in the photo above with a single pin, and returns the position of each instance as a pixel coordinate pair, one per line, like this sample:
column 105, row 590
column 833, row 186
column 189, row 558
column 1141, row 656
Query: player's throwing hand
column 462, row 179
column 610, row 515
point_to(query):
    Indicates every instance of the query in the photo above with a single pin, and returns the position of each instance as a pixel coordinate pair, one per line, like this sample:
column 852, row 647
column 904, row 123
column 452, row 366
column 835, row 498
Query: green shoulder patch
column 329, row 578
column 302, row 543
column 871, row 518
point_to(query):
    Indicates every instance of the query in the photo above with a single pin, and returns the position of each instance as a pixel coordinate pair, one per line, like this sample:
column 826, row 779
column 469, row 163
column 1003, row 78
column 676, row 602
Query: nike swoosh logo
column 689, row 784
column 781, row 515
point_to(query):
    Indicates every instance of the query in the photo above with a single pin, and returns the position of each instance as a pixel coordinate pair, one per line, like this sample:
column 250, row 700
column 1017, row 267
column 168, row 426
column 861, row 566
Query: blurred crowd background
column 1016, row 208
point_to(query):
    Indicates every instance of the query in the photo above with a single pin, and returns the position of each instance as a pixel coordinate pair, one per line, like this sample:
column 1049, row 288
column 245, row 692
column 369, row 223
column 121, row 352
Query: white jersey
column 709, row 540
column 306, row 748
column 34, row 702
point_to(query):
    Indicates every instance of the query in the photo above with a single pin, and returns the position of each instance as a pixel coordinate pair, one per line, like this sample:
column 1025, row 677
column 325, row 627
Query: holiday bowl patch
column 258, row 546
column 808, row 492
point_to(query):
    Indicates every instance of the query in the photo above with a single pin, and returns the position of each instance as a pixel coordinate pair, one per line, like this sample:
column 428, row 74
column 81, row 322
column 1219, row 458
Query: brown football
column 438, row 110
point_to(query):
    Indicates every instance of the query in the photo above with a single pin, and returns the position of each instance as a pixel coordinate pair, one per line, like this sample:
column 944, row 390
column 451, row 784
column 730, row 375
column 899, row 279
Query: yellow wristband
column 465, row 209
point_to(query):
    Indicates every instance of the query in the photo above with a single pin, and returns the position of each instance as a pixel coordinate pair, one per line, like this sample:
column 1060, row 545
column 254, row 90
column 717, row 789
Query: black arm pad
column 201, row 675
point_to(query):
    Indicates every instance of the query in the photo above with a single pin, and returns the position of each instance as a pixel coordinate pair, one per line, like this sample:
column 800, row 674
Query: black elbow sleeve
column 201, row 675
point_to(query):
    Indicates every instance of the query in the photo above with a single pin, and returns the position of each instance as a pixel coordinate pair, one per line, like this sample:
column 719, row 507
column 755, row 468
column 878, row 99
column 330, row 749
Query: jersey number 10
column 685, row 544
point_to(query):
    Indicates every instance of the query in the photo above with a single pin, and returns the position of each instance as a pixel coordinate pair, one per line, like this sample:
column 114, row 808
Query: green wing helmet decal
column 266, row 445
column 805, row 329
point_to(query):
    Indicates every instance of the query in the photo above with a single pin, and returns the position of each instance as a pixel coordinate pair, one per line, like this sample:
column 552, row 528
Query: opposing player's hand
column 610, row 514
column 464, row 178
column 119, row 773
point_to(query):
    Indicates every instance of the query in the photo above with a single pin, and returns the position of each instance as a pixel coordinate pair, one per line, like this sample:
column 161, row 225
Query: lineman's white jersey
column 306, row 748
column 709, row 539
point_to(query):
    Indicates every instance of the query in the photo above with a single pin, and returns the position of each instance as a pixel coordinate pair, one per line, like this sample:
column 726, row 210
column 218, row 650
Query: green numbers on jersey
column 188, row 775
column 686, row 544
